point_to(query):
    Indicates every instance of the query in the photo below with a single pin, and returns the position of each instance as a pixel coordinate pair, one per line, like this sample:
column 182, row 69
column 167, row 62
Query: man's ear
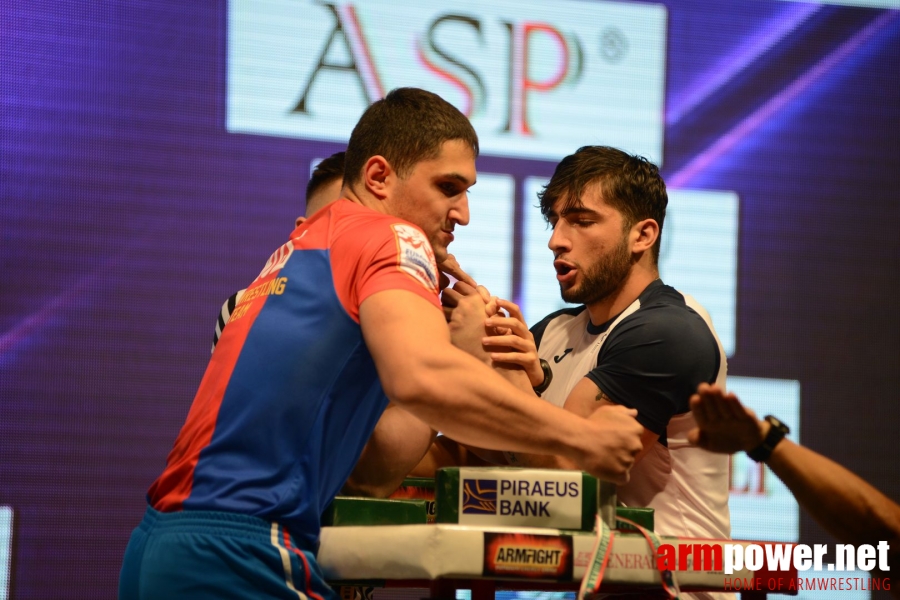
column 643, row 235
column 378, row 176
column 300, row 221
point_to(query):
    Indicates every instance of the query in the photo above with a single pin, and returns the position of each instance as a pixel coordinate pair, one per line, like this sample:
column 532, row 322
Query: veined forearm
column 455, row 393
column 477, row 406
column 841, row 502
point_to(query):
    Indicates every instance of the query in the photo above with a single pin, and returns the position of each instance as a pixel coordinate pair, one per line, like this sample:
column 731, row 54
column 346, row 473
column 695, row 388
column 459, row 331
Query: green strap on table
column 599, row 557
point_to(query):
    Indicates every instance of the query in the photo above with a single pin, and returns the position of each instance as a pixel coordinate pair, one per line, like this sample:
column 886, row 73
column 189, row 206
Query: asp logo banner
column 537, row 79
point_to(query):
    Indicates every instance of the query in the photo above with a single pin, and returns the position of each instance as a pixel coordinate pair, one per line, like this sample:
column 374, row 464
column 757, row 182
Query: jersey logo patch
column 278, row 259
column 556, row 359
column 415, row 256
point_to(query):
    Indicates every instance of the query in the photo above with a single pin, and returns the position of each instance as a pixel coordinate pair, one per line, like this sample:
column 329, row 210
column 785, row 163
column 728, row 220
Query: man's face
column 434, row 195
column 591, row 248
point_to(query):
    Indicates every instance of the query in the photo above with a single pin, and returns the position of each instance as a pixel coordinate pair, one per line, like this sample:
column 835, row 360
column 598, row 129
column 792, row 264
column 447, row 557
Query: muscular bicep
column 586, row 397
column 654, row 362
column 404, row 334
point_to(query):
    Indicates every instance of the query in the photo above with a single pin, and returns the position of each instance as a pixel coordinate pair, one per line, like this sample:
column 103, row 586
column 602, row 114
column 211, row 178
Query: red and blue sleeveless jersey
column 291, row 394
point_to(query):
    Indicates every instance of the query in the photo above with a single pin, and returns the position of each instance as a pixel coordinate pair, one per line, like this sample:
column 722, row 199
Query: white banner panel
column 699, row 254
column 484, row 247
column 762, row 508
column 537, row 79
column 6, row 536
column 540, row 290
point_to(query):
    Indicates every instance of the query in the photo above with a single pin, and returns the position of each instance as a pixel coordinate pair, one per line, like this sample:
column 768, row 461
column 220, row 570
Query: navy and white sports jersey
column 651, row 357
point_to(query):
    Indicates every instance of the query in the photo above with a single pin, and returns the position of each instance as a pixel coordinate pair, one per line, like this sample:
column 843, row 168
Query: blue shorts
column 205, row 554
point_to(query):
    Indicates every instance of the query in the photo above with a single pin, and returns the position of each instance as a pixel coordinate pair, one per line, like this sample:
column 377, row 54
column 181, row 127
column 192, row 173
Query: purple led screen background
column 128, row 214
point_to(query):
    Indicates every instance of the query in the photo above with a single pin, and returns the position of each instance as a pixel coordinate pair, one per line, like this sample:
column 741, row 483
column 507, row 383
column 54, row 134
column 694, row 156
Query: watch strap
column 548, row 377
column 777, row 431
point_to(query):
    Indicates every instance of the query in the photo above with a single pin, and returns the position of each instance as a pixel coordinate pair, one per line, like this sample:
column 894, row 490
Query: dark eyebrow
column 460, row 178
column 580, row 211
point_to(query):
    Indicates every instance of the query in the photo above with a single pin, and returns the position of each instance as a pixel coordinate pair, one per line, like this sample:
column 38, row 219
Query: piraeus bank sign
column 537, row 79
column 531, row 498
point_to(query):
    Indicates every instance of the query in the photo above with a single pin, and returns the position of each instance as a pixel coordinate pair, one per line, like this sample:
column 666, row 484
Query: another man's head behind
column 412, row 155
column 607, row 210
column 324, row 185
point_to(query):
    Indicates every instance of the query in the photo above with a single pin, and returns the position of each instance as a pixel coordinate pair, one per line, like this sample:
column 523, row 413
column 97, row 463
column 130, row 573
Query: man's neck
column 363, row 197
column 628, row 292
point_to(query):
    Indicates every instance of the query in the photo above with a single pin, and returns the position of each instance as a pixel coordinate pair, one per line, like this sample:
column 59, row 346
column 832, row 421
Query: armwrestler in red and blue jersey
column 287, row 403
column 292, row 391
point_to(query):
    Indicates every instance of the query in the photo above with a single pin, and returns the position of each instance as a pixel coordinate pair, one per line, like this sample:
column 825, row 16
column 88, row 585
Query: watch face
column 776, row 423
column 777, row 431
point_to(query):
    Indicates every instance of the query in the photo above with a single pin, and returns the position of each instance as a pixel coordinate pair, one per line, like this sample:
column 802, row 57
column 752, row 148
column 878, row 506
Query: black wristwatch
column 548, row 377
column 777, row 431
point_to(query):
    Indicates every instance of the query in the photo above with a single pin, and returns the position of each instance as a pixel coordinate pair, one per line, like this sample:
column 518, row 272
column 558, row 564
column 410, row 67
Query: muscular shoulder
column 372, row 252
column 356, row 233
column 665, row 318
column 352, row 224
column 654, row 359
column 565, row 314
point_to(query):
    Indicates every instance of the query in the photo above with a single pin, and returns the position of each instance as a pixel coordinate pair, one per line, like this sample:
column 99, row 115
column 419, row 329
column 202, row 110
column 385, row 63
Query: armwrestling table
column 442, row 558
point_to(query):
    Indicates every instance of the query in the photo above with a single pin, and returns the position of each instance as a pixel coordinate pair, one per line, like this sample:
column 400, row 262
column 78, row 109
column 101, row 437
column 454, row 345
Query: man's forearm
column 451, row 391
column 843, row 503
column 538, row 461
column 516, row 376
column 397, row 445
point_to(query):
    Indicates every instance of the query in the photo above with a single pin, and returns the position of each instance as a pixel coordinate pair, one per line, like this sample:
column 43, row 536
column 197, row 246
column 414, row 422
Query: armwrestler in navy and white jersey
column 634, row 341
column 651, row 357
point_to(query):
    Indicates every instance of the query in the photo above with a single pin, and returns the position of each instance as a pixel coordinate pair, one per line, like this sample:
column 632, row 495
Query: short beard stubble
column 602, row 278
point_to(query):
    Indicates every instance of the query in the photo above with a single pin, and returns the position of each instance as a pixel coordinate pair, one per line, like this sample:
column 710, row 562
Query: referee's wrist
column 774, row 432
column 764, row 427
